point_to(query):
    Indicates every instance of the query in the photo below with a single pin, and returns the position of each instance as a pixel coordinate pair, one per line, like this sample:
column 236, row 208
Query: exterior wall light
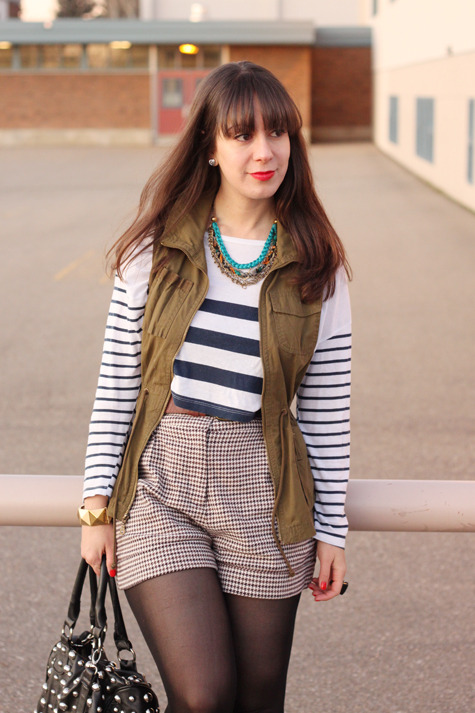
column 5, row 45
column 120, row 45
column 189, row 49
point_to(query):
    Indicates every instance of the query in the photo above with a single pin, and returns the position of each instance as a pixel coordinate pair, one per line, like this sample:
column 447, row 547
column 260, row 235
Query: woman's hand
column 329, row 582
column 99, row 539
column 95, row 542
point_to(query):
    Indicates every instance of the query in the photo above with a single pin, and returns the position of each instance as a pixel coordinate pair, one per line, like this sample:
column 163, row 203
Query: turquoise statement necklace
column 245, row 273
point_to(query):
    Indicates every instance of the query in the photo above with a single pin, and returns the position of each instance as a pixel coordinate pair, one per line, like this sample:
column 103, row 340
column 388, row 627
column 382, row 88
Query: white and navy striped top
column 218, row 371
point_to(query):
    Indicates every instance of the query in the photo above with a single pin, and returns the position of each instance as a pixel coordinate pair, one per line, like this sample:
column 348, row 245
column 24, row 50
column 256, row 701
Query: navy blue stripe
column 327, row 373
column 325, row 410
column 340, row 336
column 321, row 398
column 330, row 361
column 320, row 435
column 332, row 349
column 135, row 388
column 324, row 423
column 229, row 309
column 106, row 410
column 347, row 457
column 114, row 423
column 327, row 386
column 332, row 534
column 122, row 366
column 122, row 316
column 340, row 481
column 222, row 377
column 328, row 445
column 219, row 340
column 124, row 354
column 124, row 304
column 119, row 341
column 121, row 329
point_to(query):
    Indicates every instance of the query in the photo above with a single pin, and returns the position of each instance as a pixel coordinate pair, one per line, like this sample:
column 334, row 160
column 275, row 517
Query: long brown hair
column 224, row 103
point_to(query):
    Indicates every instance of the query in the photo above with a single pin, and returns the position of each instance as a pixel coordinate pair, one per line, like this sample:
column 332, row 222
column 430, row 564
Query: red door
column 176, row 89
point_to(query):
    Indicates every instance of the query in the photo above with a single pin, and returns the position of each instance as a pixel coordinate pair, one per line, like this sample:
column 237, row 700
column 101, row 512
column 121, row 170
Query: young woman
column 213, row 500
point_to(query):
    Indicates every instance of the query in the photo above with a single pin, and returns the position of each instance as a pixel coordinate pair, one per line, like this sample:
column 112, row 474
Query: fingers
column 95, row 543
column 329, row 582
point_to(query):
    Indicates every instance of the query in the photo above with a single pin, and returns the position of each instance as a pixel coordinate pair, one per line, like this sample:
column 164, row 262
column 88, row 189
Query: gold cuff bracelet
column 93, row 517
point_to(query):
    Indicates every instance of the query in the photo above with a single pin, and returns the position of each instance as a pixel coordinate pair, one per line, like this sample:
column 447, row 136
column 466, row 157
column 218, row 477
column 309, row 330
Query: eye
column 276, row 133
column 242, row 137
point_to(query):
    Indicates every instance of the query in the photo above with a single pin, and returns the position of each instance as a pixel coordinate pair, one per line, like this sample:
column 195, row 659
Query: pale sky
column 38, row 10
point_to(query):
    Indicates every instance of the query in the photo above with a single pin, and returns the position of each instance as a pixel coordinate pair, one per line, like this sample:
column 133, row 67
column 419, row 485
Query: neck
column 247, row 219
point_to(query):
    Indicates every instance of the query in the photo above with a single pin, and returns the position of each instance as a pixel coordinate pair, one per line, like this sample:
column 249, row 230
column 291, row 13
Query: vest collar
column 187, row 235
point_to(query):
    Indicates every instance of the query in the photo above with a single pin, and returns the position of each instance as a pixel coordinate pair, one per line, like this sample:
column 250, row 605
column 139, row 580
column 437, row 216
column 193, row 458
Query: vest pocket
column 296, row 323
column 167, row 294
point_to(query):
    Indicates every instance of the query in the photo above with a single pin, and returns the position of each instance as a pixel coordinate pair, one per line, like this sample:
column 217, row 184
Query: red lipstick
column 263, row 175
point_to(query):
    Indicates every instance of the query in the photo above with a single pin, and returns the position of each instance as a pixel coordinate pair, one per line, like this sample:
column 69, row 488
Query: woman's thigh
column 185, row 622
column 262, row 635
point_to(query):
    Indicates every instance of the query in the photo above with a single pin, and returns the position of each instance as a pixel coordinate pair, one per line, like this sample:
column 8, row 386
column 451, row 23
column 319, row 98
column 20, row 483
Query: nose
column 262, row 147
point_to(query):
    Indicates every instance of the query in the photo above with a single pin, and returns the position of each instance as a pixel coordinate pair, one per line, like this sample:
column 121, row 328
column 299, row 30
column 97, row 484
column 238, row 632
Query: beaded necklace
column 246, row 273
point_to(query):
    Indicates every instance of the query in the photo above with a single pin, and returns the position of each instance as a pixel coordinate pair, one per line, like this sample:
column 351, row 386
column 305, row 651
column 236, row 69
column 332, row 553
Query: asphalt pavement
column 402, row 640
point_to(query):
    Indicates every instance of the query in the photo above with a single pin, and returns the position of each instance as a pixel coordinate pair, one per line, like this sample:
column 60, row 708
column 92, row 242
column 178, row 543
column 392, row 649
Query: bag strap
column 75, row 601
column 120, row 633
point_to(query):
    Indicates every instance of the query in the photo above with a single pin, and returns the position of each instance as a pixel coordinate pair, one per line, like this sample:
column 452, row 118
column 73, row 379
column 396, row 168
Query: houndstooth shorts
column 204, row 499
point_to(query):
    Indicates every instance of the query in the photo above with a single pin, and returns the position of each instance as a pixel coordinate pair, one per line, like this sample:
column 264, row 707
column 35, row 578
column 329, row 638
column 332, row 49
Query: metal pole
column 377, row 505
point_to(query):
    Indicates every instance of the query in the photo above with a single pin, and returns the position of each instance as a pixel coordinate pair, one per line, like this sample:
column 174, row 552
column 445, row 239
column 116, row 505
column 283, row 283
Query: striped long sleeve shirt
column 219, row 371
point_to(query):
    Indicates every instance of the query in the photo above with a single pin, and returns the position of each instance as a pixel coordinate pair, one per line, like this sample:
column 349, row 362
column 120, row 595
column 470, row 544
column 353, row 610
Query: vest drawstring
column 114, row 520
column 278, row 495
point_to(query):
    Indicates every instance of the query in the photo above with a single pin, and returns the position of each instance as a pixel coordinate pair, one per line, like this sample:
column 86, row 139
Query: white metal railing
column 386, row 505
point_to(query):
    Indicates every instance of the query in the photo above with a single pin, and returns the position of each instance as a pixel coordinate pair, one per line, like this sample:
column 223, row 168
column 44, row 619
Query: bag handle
column 120, row 633
column 75, row 601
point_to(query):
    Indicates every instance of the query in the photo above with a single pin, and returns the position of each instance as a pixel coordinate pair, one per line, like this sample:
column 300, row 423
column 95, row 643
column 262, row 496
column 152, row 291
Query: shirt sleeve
column 323, row 414
column 119, row 378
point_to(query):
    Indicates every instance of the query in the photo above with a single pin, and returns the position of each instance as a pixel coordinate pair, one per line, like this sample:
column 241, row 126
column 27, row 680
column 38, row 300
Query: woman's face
column 252, row 166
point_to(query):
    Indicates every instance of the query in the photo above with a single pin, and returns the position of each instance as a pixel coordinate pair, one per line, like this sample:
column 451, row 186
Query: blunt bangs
column 236, row 114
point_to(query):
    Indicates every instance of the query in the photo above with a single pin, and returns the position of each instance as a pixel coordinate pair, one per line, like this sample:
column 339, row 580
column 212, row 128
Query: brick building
column 109, row 81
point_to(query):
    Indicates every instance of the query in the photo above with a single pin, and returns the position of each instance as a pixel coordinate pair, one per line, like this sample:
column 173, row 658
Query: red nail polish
column 113, row 572
column 323, row 586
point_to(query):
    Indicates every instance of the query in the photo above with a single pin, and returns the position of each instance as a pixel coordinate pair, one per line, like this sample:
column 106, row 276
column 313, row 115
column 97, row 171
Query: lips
column 263, row 175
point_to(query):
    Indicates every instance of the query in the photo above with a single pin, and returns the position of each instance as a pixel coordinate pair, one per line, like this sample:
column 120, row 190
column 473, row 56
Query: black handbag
column 79, row 676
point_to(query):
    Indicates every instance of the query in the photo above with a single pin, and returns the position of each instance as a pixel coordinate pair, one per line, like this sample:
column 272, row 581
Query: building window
column 425, row 128
column 6, row 55
column 29, row 56
column 72, row 56
column 117, row 55
column 471, row 141
column 172, row 93
column 394, row 119
column 206, row 58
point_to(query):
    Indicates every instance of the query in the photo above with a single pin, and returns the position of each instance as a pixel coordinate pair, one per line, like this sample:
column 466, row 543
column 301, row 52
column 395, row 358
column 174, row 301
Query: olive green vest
column 288, row 334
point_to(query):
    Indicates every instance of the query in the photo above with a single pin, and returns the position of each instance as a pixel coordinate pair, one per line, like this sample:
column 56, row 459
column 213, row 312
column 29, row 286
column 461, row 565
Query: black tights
column 216, row 653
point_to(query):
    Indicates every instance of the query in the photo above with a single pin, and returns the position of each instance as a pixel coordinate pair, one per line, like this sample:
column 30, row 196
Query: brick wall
column 341, row 92
column 292, row 65
column 74, row 101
